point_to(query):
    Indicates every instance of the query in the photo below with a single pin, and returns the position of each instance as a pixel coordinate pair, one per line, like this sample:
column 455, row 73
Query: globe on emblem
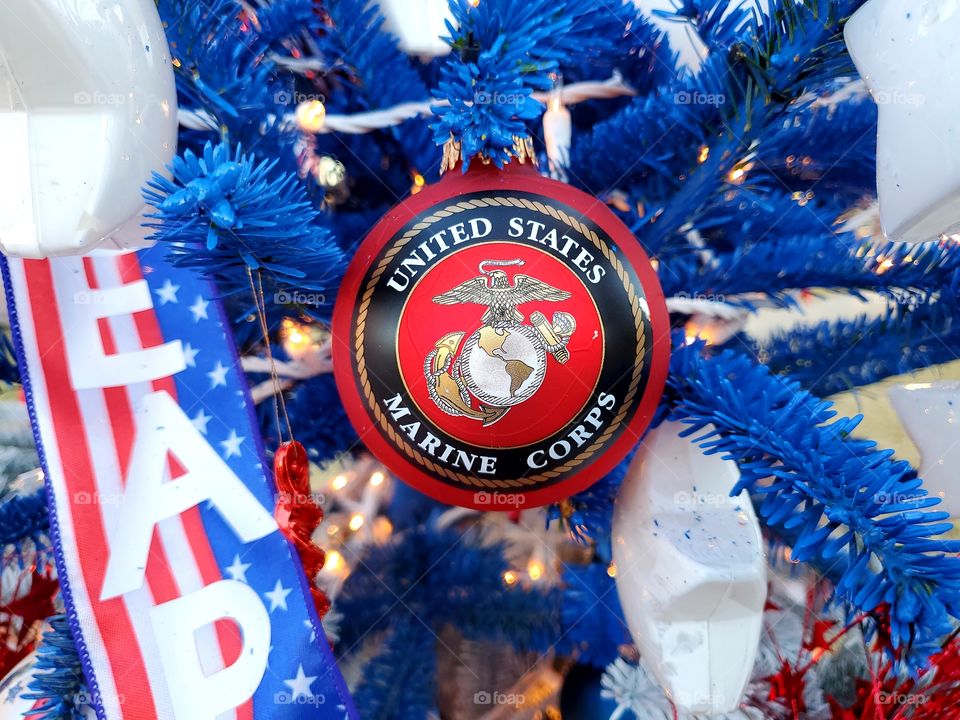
column 504, row 366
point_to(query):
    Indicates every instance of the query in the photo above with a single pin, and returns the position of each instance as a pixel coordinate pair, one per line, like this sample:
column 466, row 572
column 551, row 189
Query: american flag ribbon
column 185, row 600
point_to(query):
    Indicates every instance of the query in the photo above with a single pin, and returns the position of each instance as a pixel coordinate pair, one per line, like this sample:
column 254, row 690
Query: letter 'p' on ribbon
column 186, row 601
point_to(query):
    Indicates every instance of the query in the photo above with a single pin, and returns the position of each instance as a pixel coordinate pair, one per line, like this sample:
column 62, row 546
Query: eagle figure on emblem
column 504, row 362
column 494, row 290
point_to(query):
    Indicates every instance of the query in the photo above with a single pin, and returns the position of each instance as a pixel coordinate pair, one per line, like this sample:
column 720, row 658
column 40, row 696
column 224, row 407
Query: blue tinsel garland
column 841, row 495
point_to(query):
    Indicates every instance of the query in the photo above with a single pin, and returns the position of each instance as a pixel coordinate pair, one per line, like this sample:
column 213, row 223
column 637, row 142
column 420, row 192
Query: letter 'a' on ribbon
column 186, row 601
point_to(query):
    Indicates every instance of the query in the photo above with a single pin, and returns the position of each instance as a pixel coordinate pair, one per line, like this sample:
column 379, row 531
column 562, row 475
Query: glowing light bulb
column 377, row 479
column 510, row 577
column 883, row 264
column 296, row 338
column 612, row 570
column 418, row 183
column 704, row 154
column 311, row 115
column 535, row 570
column 356, row 522
column 334, row 561
column 339, row 482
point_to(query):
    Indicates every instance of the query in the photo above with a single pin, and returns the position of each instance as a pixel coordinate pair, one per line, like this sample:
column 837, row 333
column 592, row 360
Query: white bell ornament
column 908, row 55
column 929, row 413
column 418, row 25
column 691, row 571
column 88, row 110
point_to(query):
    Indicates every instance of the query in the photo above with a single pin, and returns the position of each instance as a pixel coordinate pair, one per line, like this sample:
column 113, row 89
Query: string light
column 356, row 522
column 329, row 171
column 339, row 482
column 418, row 183
column 377, row 479
column 300, row 340
column 382, row 529
column 334, row 561
column 738, row 175
column 883, row 264
column 510, row 577
column 535, row 570
column 612, row 570
column 704, row 154
column 311, row 115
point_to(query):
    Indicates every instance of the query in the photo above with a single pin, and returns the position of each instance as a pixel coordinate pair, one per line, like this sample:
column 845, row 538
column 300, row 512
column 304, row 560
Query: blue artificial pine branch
column 58, row 678
column 9, row 371
column 280, row 21
column 458, row 581
column 755, row 72
column 226, row 215
column 365, row 49
column 916, row 331
column 503, row 52
column 318, row 419
column 842, row 495
column 23, row 516
column 399, row 683
column 589, row 516
column 593, row 624
column 224, row 68
column 781, row 262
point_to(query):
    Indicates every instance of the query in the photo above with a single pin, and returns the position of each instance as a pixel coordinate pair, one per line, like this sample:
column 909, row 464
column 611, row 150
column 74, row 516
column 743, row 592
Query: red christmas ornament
column 298, row 514
column 500, row 339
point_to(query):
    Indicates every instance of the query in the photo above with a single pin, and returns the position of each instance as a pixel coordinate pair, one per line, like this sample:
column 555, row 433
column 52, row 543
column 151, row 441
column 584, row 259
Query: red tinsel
column 22, row 617
column 298, row 514
column 886, row 695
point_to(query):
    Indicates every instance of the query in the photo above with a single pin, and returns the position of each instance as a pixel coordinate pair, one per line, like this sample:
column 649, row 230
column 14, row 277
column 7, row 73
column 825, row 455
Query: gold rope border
column 611, row 257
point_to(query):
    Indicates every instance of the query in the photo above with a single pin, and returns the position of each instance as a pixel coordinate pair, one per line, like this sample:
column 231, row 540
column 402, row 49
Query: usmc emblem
column 500, row 348
column 504, row 362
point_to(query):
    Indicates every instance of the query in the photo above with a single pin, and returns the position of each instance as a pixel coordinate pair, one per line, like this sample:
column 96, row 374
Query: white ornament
column 88, row 109
column 418, row 25
column 929, row 415
column 907, row 53
column 13, row 706
column 691, row 572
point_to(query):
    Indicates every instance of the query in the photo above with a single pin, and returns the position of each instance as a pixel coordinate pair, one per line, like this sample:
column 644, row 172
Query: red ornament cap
column 500, row 339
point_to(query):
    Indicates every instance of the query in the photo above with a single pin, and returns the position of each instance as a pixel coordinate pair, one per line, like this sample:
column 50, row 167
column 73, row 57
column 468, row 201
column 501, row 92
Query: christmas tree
column 740, row 152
